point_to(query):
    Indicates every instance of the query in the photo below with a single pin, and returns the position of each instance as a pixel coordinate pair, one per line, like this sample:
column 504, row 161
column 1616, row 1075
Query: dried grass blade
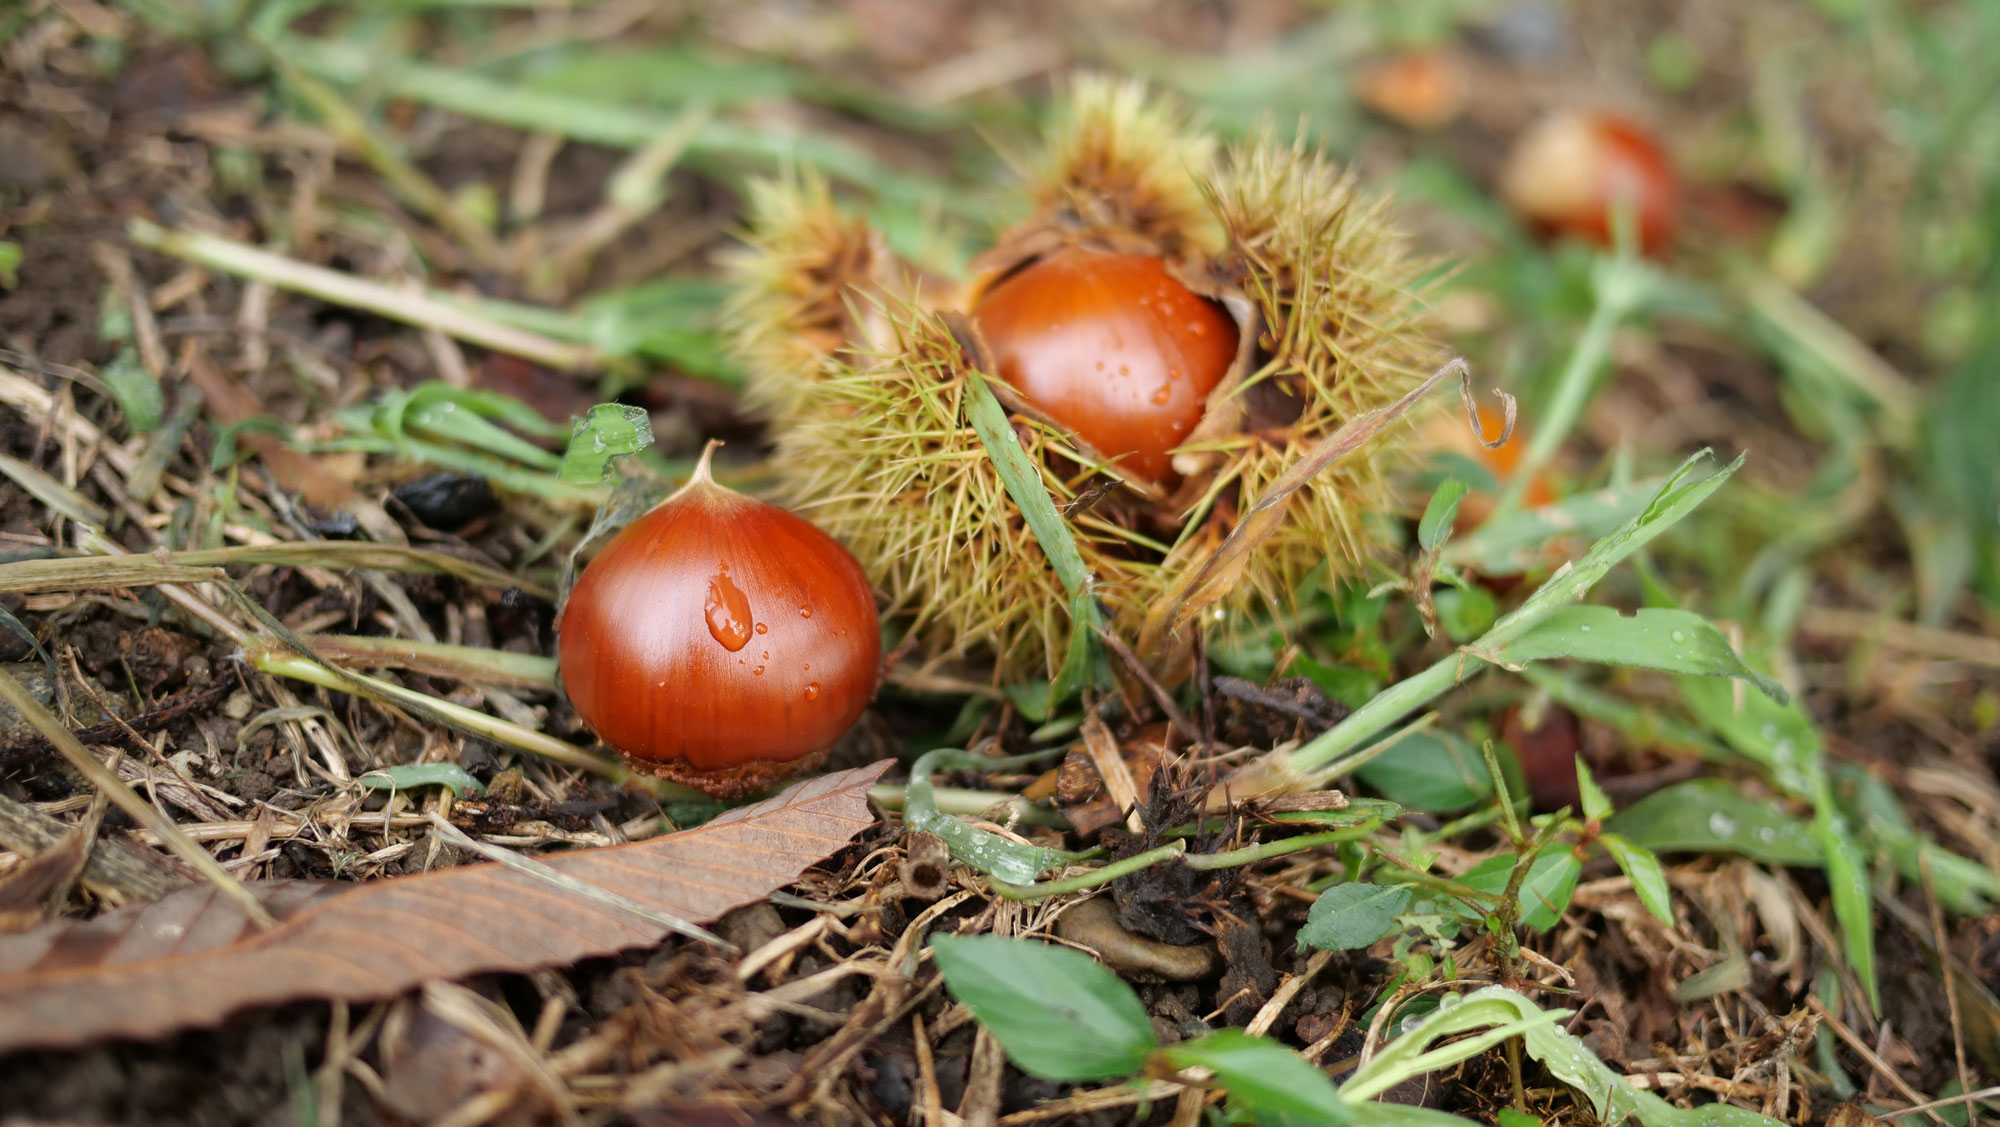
column 102, row 777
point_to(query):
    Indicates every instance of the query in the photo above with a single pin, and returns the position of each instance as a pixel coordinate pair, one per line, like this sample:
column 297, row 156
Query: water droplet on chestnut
column 727, row 611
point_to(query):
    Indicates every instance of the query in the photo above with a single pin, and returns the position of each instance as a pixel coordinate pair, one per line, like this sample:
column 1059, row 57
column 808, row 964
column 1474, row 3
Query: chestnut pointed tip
column 702, row 479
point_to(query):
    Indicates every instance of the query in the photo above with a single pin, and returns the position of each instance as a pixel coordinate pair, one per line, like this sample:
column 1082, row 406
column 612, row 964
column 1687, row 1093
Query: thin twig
column 1161, row 696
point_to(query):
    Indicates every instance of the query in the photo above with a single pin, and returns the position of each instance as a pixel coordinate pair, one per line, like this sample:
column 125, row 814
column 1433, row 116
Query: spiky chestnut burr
column 874, row 442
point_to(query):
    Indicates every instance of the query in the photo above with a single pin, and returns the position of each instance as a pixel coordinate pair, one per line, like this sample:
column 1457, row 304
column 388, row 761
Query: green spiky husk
column 874, row 444
column 804, row 264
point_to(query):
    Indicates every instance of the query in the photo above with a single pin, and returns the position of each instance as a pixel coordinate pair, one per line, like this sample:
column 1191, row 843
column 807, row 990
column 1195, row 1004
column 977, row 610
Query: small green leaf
column 1710, row 815
column 1681, row 495
column 1508, row 1117
column 610, row 430
column 1544, row 893
column 137, row 392
column 1353, row 915
column 403, row 776
column 1466, row 612
column 1435, row 528
column 226, row 454
column 1032, row 698
column 1433, row 772
column 1084, row 664
column 1348, row 684
column 1596, row 804
column 1059, row 1015
column 464, row 415
column 1263, row 1075
column 1675, row 641
column 10, row 262
column 1649, row 881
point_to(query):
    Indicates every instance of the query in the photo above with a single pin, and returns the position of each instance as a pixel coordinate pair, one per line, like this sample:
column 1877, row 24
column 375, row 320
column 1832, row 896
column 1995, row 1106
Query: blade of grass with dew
column 1322, row 757
column 1672, row 641
column 1783, row 739
column 1510, row 543
column 1023, row 480
column 1712, row 816
column 991, row 854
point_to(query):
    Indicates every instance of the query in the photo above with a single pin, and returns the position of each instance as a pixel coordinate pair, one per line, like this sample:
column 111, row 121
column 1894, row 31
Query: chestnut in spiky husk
column 1271, row 302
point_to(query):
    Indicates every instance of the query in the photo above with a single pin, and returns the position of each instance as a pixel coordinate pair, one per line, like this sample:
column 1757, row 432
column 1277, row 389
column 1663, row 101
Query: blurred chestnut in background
column 1419, row 89
column 1545, row 742
column 1567, row 172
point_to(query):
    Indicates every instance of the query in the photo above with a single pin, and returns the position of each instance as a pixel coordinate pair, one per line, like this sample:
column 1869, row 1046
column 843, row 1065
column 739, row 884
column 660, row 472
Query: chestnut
column 1112, row 347
column 1567, row 172
column 719, row 641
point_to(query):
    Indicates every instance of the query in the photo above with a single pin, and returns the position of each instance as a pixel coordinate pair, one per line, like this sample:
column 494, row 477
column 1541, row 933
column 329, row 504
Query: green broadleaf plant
column 1353, row 915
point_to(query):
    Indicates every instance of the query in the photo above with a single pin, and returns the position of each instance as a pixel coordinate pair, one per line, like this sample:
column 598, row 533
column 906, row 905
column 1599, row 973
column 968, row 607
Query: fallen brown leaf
column 191, row 959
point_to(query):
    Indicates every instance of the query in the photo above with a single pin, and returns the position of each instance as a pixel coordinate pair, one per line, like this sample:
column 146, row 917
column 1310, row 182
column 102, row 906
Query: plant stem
column 276, row 661
column 413, row 306
column 477, row 665
column 1269, row 849
column 974, row 803
column 1102, row 875
column 1620, row 286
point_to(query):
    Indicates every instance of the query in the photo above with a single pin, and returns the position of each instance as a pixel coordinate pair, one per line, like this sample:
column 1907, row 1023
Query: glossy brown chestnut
column 1112, row 347
column 720, row 642
column 1566, row 173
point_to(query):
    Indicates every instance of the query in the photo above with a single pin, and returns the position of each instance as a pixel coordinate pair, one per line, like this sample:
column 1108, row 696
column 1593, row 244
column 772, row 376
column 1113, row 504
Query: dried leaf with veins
column 191, row 959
